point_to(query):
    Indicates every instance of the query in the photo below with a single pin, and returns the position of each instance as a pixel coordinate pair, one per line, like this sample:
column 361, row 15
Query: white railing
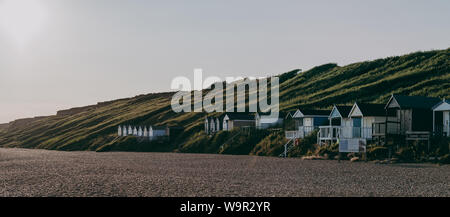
column 292, row 134
column 287, row 147
column 300, row 133
column 329, row 132
column 307, row 130
column 358, row 132
column 336, row 132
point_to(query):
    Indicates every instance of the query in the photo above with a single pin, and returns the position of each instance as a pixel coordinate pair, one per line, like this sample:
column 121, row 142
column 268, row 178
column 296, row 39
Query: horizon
column 62, row 54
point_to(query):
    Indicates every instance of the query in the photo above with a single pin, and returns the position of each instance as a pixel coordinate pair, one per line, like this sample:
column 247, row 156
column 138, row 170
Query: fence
column 379, row 128
column 335, row 132
column 300, row 133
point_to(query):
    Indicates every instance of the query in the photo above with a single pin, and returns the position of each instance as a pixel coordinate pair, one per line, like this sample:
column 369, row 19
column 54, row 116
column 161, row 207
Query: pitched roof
column 289, row 115
column 440, row 103
column 418, row 102
column 315, row 112
column 371, row 109
column 344, row 110
column 214, row 118
column 240, row 116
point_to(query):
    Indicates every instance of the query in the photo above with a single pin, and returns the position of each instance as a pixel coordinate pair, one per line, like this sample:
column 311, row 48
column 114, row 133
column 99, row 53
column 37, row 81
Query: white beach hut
column 441, row 118
column 130, row 130
column 212, row 125
column 135, row 131
column 145, row 133
column 206, row 125
column 119, row 131
column 124, row 131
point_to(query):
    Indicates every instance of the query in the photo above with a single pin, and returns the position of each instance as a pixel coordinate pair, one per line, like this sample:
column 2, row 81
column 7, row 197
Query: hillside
column 94, row 127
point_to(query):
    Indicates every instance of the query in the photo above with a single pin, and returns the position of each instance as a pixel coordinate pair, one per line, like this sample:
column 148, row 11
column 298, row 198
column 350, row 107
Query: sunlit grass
column 421, row 73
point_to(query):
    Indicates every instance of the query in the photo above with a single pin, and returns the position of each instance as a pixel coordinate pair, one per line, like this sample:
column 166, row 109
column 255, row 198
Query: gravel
column 45, row 173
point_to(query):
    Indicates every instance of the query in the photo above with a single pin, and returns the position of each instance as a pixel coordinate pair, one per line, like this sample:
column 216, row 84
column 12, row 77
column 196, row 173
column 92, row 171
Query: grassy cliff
column 94, row 127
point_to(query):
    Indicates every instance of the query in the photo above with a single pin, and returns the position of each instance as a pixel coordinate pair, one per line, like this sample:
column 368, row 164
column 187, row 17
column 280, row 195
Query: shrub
column 445, row 159
column 328, row 150
column 244, row 143
column 378, row 153
column 305, row 145
column 406, row 154
column 442, row 146
column 271, row 145
column 195, row 144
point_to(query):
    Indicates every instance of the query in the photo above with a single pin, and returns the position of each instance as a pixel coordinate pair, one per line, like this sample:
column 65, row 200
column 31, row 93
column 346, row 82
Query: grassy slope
column 421, row 73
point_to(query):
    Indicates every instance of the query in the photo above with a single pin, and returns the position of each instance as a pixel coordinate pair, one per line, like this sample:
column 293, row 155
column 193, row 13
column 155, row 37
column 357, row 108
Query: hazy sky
column 56, row 54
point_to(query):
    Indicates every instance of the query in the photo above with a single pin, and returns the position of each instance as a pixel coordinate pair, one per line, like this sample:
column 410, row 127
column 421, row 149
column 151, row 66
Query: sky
column 58, row 54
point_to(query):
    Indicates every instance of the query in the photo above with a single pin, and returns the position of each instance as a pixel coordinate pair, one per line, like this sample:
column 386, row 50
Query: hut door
column 408, row 120
column 405, row 120
column 357, row 123
column 298, row 123
column 447, row 122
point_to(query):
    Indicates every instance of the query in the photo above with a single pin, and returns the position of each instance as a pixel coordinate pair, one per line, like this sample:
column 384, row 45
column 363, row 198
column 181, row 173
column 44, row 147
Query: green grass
column 420, row 73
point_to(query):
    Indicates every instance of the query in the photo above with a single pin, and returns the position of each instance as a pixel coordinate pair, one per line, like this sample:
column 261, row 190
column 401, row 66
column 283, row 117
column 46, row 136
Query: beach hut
column 234, row 120
column 145, row 133
column 124, row 131
column 306, row 121
column 362, row 118
column 135, row 131
column 441, row 118
column 413, row 113
column 140, row 132
column 339, row 124
column 207, row 125
column 130, row 130
column 119, row 131
column 157, row 131
column 212, row 125
column 413, row 120
column 218, row 124
column 264, row 121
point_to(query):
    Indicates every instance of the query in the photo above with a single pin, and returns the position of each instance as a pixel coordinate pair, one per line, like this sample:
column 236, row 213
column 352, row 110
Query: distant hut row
column 152, row 132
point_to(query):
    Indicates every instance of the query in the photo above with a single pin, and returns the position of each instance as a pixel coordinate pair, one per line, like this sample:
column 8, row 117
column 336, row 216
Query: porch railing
column 360, row 132
column 336, row 132
column 329, row 132
column 379, row 128
column 301, row 132
column 293, row 134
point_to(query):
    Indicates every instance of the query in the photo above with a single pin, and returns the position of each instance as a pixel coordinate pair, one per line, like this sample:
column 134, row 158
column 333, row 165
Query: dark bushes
column 377, row 153
column 445, row 159
column 271, row 145
column 244, row 142
column 406, row 154
column 305, row 145
column 328, row 150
